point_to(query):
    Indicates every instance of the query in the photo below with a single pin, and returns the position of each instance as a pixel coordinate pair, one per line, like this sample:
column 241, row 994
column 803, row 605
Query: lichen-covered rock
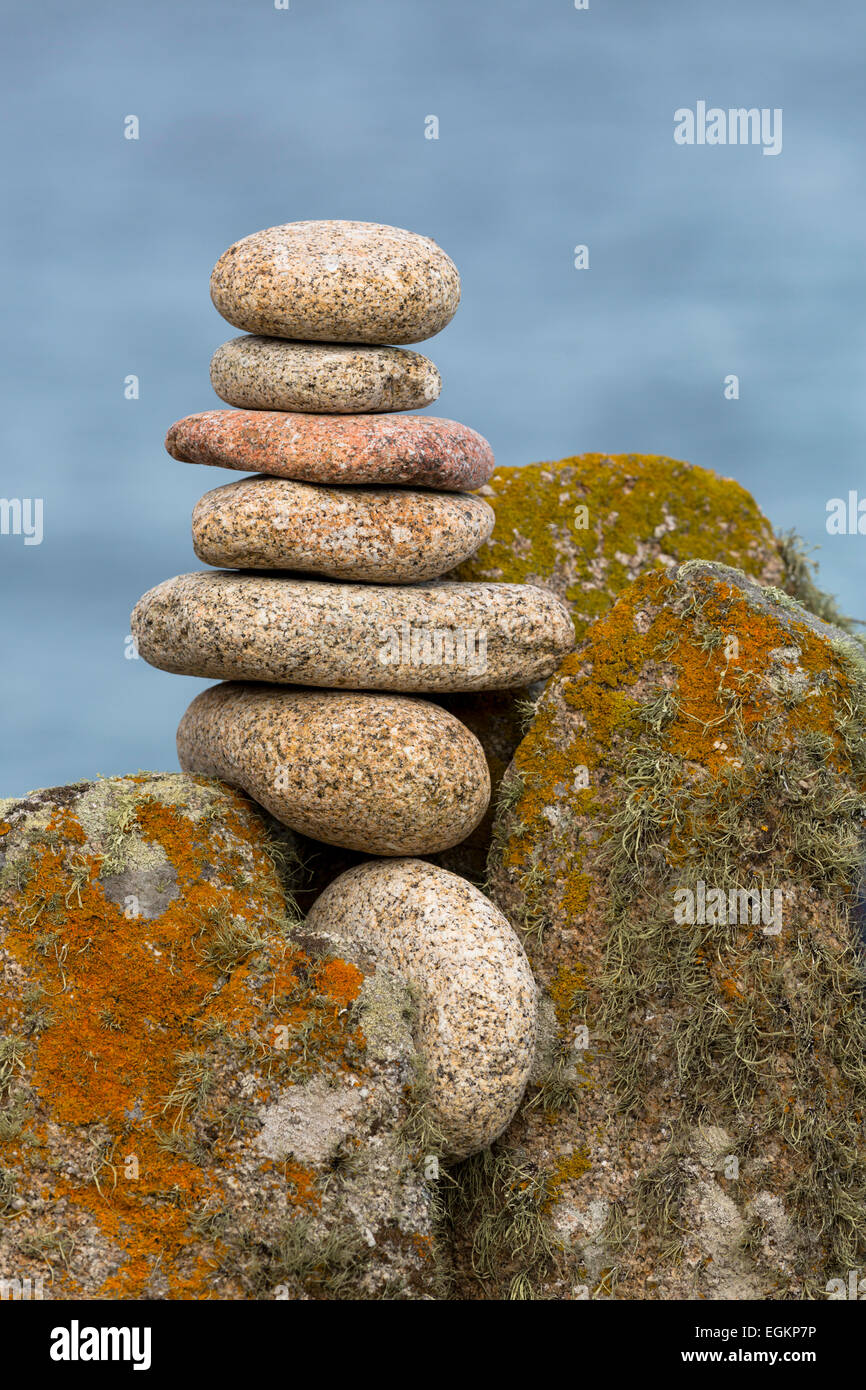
column 379, row 773
column 274, row 374
column 374, row 534
column 337, row 282
column 586, row 526
column 681, row 845
column 475, row 992
column 421, row 637
column 197, row 1100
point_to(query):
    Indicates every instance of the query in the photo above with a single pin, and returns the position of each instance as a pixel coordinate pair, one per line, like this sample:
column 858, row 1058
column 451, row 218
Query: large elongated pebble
column 337, row 282
column 381, row 534
column 476, row 996
column 425, row 637
column 274, row 374
column 420, row 449
column 379, row 773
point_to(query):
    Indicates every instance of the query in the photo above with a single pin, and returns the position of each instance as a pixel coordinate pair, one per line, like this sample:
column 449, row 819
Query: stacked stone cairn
column 327, row 618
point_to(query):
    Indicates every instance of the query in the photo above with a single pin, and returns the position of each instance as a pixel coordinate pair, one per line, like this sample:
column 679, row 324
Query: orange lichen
column 589, row 525
column 423, row 1245
column 716, row 667
column 340, row 980
column 133, row 1016
column 301, row 1186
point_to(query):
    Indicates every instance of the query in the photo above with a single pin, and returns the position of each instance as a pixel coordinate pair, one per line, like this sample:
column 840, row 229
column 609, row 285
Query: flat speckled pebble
column 384, row 535
column 337, row 282
column 419, row 449
column 274, row 374
column 424, row 637
column 476, row 1023
column 379, row 773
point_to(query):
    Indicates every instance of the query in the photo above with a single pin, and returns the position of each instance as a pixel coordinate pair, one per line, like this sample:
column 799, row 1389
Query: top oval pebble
column 337, row 282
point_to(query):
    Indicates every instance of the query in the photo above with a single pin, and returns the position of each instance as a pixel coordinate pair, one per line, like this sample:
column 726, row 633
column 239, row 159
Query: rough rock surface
column 423, row 637
column 585, row 527
column 641, row 512
column 498, row 719
column 337, row 282
column 379, row 773
column 379, row 535
column 274, row 374
column 473, row 986
column 698, row 1134
column 197, row 1101
column 416, row 449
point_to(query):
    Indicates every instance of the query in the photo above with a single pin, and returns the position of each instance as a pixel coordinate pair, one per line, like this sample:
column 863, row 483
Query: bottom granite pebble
column 476, row 995
column 385, row 774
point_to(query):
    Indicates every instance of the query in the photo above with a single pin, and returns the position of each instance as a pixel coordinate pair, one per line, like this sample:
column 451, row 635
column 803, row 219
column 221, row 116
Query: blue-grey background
column 556, row 128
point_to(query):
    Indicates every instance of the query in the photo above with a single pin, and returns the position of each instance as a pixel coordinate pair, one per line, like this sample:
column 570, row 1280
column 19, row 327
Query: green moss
column 736, row 767
column 501, row 1202
column 641, row 512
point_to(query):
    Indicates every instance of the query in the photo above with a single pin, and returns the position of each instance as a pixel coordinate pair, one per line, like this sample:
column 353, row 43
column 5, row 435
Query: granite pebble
column 381, row 535
column 407, row 449
column 426, row 637
column 324, row 378
column 337, row 282
column 476, row 997
column 379, row 773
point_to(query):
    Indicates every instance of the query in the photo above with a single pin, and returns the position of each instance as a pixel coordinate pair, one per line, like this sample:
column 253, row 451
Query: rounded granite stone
column 424, row 637
column 337, row 282
column 328, row 378
column 476, row 1024
column 379, row 773
column 413, row 449
column 387, row 535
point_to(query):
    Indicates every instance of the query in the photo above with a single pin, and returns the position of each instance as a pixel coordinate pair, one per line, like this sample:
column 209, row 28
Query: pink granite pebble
column 419, row 449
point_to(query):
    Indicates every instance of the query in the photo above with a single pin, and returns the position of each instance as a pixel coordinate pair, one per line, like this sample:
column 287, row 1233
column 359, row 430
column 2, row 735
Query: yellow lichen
column 126, row 1021
column 588, row 525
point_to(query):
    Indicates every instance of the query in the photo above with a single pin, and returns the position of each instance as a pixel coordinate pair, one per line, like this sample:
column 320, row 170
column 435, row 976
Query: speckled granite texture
column 383, row 535
column 425, row 637
column 379, row 773
column 475, row 992
column 275, row 374
column 337, row 282
column 421, row 449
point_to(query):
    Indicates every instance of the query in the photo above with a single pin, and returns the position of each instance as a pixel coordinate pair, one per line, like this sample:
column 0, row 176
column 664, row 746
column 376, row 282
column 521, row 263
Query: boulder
column 476, row 1022
column 198, row 1100
column 584, row 528
column 680, row 845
